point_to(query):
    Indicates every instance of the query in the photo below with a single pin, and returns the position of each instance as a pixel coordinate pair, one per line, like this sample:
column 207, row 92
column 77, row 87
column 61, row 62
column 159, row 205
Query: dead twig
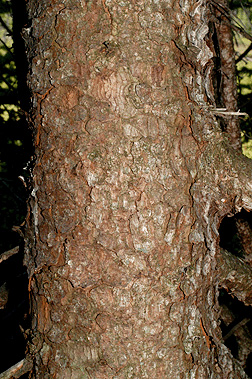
column 8, row 254
column 225, row 112
column 17, row 370
column 243, row 55
column 233, row 21
column 237, row 326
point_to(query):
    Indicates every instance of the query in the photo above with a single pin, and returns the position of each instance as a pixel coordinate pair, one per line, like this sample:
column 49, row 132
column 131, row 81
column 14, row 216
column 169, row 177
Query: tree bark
column 227, row 88
column 235, row 276
column 132, row 178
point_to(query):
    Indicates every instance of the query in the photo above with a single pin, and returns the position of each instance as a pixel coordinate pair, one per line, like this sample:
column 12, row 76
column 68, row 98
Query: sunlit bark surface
column 131, row 181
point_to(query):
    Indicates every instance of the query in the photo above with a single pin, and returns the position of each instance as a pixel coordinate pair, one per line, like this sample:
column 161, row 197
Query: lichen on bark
column 131, row 181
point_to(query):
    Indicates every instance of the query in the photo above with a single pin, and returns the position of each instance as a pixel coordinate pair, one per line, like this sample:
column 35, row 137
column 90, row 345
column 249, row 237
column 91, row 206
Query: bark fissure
column 132, row 179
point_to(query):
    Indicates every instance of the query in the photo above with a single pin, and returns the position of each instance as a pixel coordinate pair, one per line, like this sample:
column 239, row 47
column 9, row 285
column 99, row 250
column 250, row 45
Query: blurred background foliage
column 15, row 153
column 15, row 142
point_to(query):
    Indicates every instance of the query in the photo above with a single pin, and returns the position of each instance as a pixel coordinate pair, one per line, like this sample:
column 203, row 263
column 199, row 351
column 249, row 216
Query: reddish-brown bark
column 245, row 235
column 227, row 91
column 131, row 181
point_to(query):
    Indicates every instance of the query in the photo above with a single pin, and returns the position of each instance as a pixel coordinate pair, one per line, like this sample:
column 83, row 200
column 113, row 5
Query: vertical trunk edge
column 131, row 182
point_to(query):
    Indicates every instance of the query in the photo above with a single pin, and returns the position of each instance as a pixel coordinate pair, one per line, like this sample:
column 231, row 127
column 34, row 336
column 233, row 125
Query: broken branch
column 17, row 370
column 8, row 254
column 235, row 276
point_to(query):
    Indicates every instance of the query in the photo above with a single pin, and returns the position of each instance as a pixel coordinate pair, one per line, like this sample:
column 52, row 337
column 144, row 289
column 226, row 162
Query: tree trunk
column 132, row 178
column 226, row 91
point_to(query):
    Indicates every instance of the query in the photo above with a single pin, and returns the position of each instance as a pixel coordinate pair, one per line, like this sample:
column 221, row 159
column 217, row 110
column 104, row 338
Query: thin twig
column 241, row 31
column 245, row 10
column 243, row 55
column 7, row 47
column 8, row 254
column 6, row 26
column 225, row 112
column 235, row 327
column 231, row 17
column 17, row 370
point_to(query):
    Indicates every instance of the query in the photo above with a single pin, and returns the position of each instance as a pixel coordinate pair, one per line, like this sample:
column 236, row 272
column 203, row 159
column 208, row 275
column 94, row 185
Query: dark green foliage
column 15, row 148
column 15, row 151
column 235, row 4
